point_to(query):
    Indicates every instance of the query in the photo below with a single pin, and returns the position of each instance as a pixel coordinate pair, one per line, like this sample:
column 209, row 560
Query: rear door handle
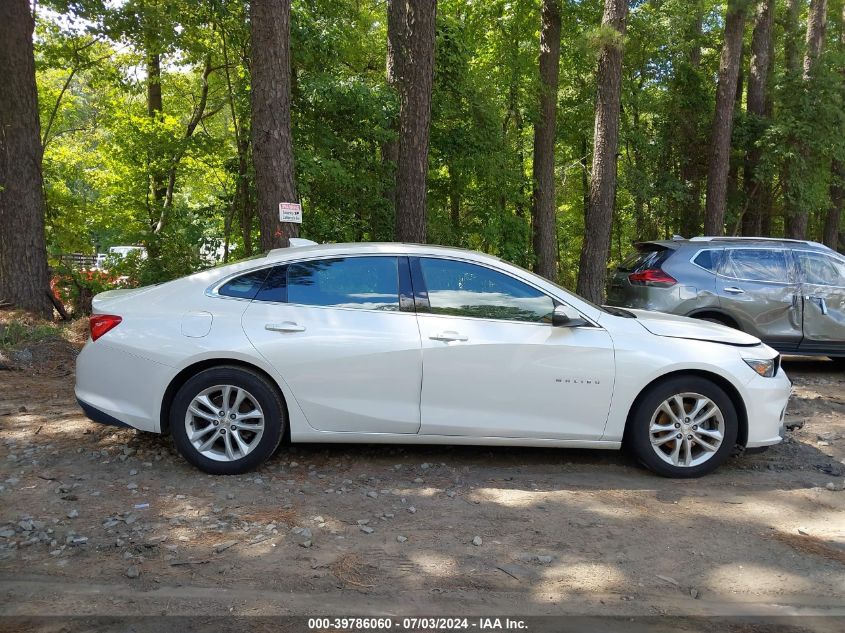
column 286, row 326
column 734, row 290
column 822, row 303
column 448, row 336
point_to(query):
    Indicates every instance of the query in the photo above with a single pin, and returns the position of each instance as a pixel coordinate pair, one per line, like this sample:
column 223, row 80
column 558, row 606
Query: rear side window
column 756, row 264
column 275, row 286
column 365, row 283
column 244, row 286
column 645, row 257
column 708, row 260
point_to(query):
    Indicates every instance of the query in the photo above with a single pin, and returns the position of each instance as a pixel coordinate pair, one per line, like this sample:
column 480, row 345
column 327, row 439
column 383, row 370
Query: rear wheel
column 717, row 319
column 683, row 427
column 227, row 420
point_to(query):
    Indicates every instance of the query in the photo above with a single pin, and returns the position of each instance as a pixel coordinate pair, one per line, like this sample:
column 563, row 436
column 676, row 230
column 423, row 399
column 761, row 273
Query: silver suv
column 789, row 293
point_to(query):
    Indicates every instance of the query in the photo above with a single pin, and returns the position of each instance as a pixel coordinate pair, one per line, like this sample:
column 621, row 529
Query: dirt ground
column 96, row 520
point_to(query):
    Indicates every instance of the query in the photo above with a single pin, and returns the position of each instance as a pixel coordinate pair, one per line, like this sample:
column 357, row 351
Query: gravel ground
column 96, row 520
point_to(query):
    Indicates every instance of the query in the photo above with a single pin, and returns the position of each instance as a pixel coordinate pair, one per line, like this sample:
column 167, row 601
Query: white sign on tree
column 290, row 212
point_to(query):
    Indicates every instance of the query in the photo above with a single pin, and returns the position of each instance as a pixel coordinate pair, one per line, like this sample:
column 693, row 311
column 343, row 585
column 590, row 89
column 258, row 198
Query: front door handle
column 286, row 326
column 448, row 337
column 734, row 290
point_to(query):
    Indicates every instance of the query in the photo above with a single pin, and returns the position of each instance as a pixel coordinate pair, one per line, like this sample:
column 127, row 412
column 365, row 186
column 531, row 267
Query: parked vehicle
column 119, row 252
column 788, row 293
column 397, row 343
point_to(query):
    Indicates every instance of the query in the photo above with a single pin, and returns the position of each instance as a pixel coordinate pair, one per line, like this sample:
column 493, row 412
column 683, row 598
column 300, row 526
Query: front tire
column 683, row 427
column 227, row 420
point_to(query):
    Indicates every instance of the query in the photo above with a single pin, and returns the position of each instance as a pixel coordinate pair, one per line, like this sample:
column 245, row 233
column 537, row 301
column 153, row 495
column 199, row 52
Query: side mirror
column 565, row 316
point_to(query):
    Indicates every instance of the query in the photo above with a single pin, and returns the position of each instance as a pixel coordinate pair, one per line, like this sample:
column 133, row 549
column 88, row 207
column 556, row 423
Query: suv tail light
column 652, row 277
column 99, row 324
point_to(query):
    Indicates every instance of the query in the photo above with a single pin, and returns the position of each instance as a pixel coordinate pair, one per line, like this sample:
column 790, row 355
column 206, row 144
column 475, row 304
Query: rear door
column 759, row 289
column 823, row 294
column 342, row 338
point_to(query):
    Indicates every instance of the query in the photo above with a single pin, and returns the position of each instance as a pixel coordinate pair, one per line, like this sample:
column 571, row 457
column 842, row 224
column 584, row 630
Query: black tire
column 718, row 320
column 838, row 362
column 262, row 391
column 638, row 437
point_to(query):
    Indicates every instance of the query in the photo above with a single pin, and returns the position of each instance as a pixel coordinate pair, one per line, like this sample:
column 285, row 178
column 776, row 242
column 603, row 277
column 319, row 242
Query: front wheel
column 683, row 427
column 227, row 420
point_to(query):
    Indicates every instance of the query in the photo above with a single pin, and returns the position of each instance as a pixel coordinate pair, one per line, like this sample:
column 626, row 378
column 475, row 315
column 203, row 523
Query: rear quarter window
column 244, row 286
column 708, row 259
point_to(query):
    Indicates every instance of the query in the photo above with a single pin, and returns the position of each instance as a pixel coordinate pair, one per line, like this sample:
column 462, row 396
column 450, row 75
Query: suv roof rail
column 727, row 238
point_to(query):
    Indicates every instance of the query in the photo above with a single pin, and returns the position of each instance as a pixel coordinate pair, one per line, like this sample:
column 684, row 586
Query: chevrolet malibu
column 399, row 343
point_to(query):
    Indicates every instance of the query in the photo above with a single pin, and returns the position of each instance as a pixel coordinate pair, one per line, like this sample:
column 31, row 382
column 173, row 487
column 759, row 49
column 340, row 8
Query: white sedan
column 398, row 343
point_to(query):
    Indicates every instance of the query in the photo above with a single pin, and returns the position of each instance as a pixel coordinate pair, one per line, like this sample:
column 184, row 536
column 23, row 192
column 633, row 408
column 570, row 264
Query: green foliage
column 103, row 150
column 15, row 333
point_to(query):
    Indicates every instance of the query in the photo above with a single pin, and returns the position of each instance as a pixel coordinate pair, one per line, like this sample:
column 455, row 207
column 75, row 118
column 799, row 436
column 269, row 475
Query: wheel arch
column 714, row 313
column 721, row 381
column 191, row 370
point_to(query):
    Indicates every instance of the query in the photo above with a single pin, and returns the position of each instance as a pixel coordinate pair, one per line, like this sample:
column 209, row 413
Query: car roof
column 738, row 242
column 295, row 252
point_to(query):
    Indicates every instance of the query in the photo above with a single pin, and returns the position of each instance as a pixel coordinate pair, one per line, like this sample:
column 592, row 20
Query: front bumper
column 766, row 400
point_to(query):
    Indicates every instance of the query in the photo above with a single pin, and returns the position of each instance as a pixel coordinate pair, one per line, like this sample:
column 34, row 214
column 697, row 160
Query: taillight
column 652, row 277
column 99, row 324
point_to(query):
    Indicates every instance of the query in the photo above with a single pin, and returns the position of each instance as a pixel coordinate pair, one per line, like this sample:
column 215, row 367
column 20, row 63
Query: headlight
column 765, row 368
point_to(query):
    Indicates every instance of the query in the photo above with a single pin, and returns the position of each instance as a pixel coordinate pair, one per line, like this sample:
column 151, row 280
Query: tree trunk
column 735, row 160
column 720, row 143
column 816, row 23
column 791, row 54
column 155, row 107
column 411, row 48
column 543, row 208
column 397, row 15
column 599, row 217
column 837, row 184
column 756, row 190
column 797, row 216
column 272, row 142
column 24, row 276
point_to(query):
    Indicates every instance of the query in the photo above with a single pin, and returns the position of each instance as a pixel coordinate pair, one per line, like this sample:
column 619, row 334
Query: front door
column 334, row 330
column 758, row 288
column 494, row 366
column 823, row 293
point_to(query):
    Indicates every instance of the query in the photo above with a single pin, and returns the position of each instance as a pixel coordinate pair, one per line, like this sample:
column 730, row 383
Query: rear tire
column 707, row 426
column 227, row 420
column 718, row 320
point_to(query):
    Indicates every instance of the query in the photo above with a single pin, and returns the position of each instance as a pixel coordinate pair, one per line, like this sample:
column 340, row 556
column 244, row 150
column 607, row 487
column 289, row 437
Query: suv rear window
column 646, row 256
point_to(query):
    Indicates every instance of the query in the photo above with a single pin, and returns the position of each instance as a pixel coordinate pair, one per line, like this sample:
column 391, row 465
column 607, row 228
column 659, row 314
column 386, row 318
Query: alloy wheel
column 687, row 429
column 224, row 422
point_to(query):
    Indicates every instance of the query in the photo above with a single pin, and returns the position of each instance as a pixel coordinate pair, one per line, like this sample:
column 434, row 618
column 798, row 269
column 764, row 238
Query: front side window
column 365, row 283
column 821, row 269
column 756, row 264
column 468, row 290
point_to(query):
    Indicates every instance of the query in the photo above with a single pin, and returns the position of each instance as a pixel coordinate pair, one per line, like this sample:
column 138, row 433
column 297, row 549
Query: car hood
column 662, row 324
